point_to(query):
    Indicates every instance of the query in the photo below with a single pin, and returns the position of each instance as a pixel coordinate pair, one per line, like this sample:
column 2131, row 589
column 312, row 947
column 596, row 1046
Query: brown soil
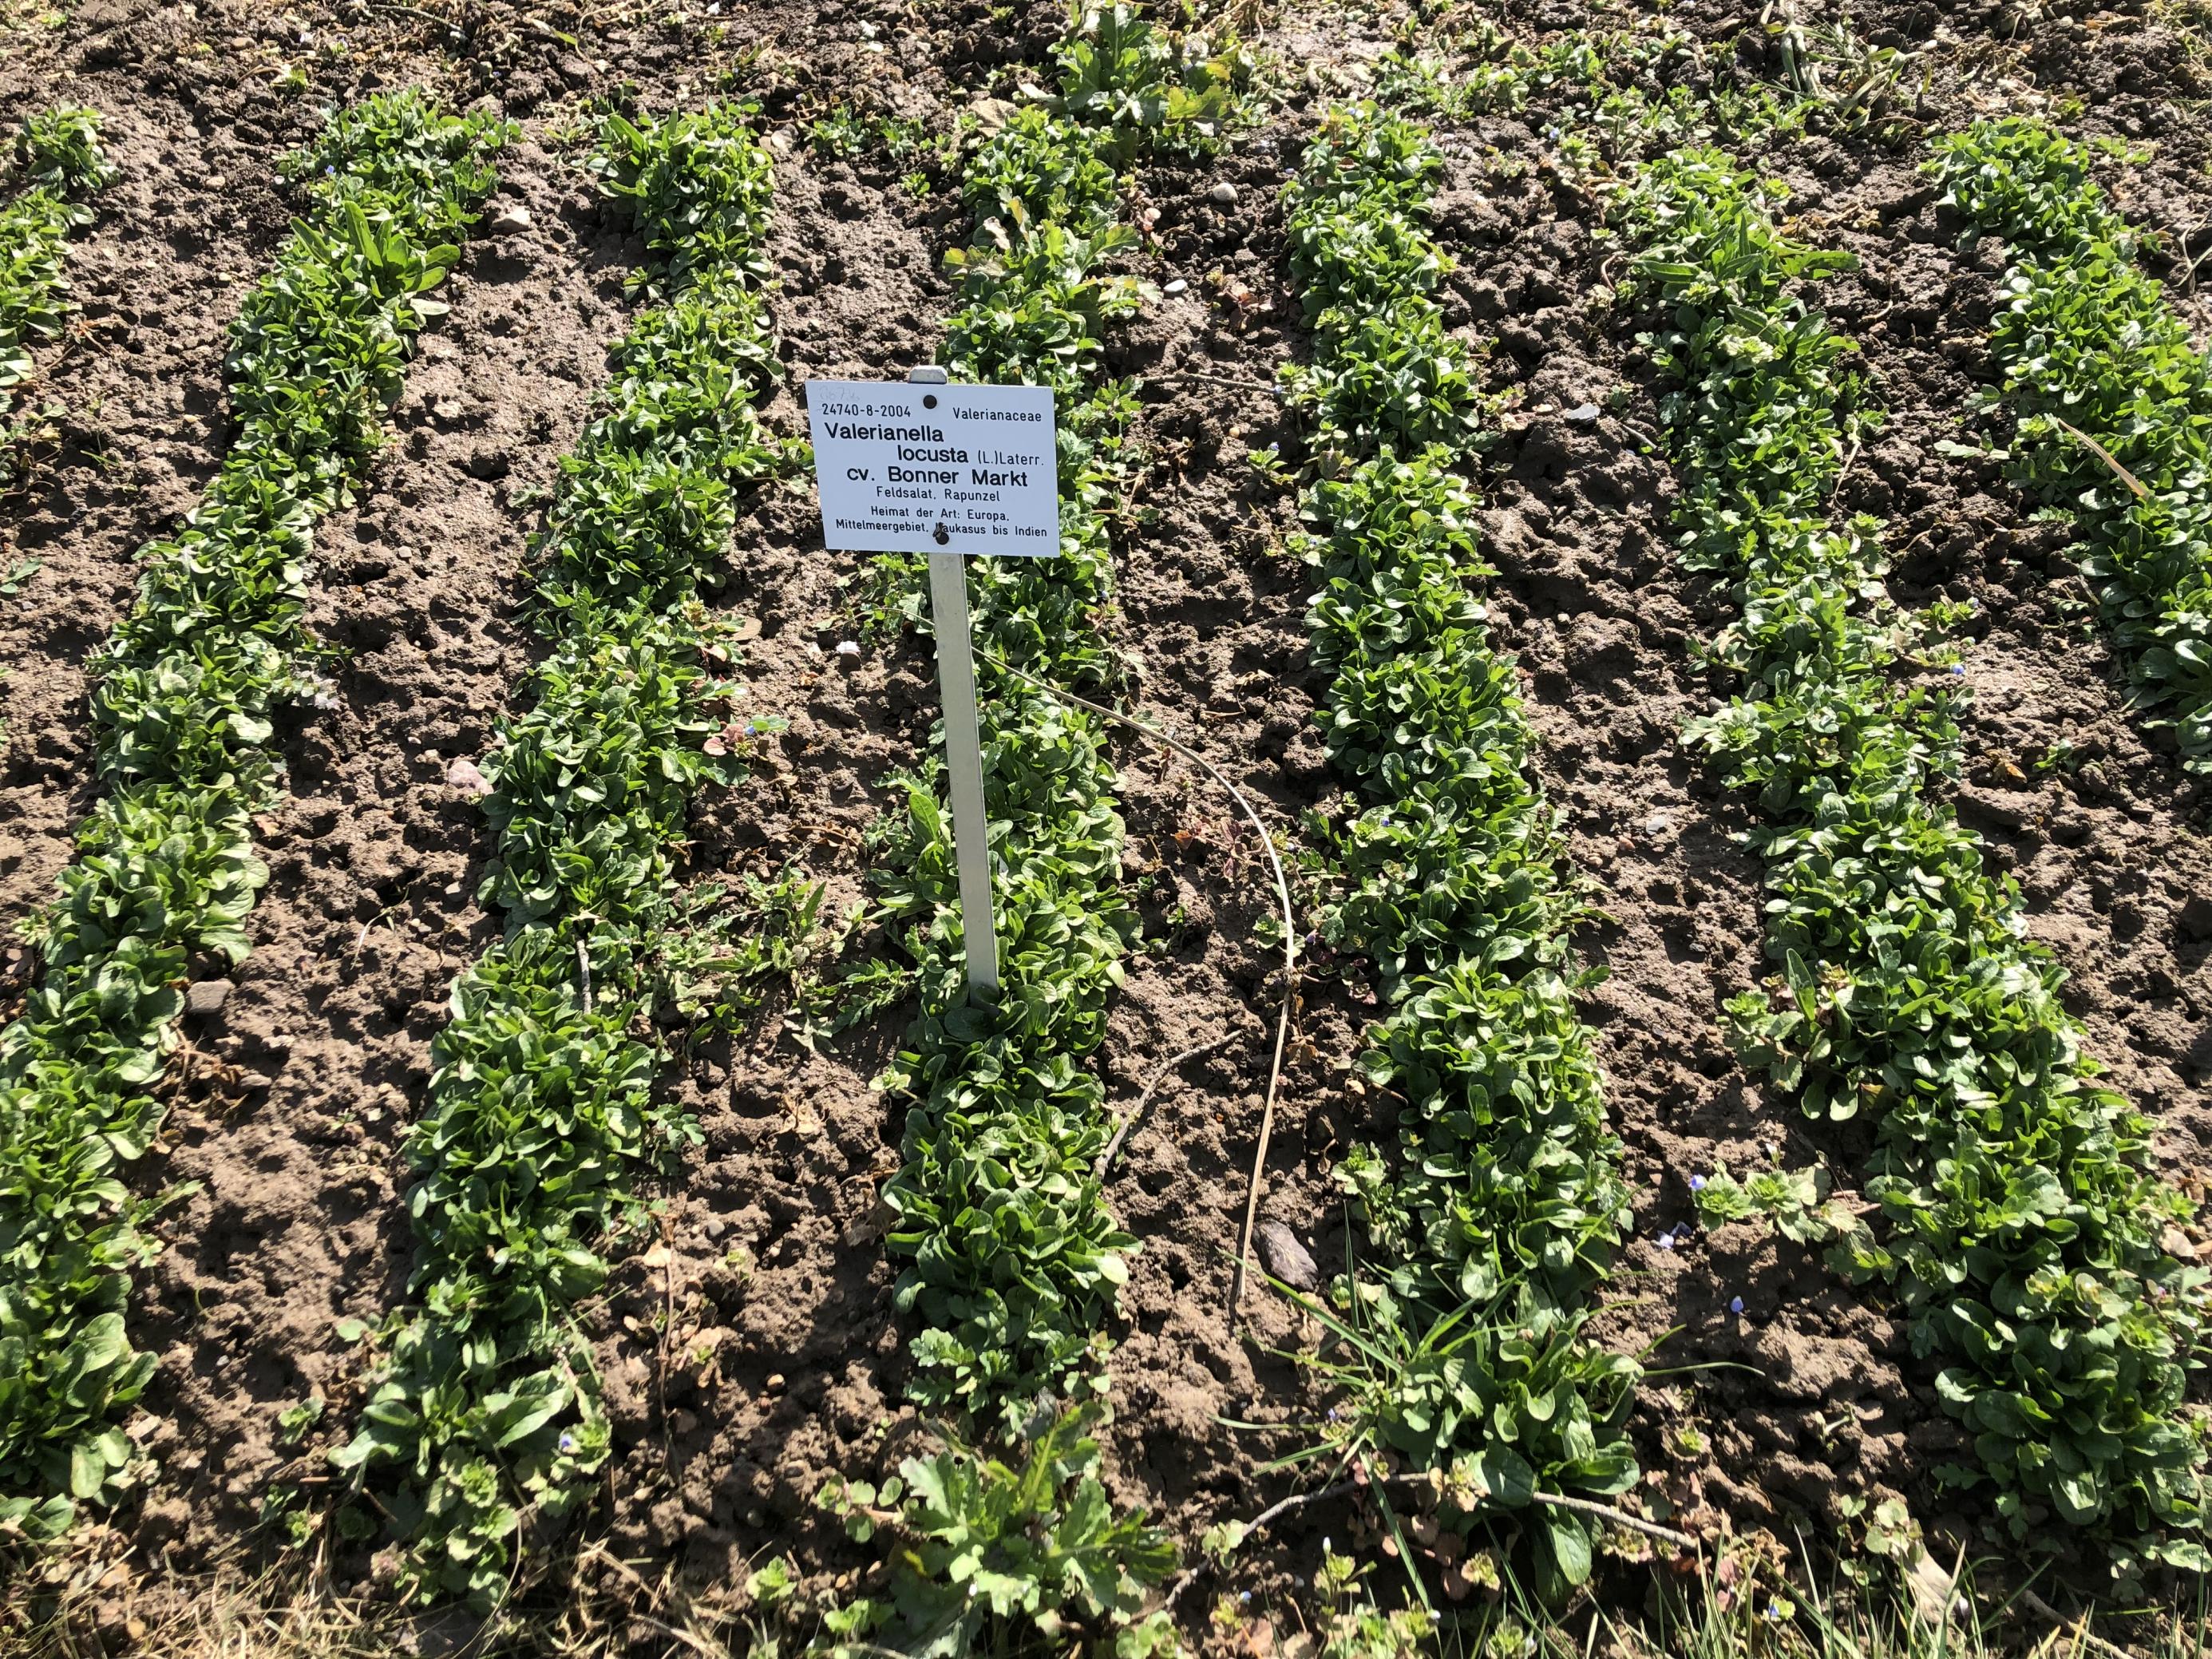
column 771, row 1379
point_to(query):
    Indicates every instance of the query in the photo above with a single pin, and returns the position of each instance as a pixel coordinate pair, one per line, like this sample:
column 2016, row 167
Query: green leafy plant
column 2115, row 404
column 1135, row 84
column 58, row 153
column 718, row 963
column 1353, row 1627
column 1794, row 1201
column 1495, row 1402
column 2021, row 1221
column 843, row 131
column 59, row 150
column 989, row 1548
column 184, row 694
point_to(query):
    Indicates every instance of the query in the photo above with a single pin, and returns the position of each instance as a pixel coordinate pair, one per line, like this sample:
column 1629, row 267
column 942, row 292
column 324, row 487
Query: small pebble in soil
column 1223, row 194
column 207, row 996
column 1285, row 1258
column 1583, row 414
column 1177, row 286
column 463, row 773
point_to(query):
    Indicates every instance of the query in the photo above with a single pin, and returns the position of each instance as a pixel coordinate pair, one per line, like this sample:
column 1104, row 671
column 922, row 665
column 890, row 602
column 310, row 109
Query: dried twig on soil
column 1273, row 1512
column 1129, row 1119
column 1290, row 950
column 415, row 12
column 519, row 19
column 2076, row 1627
column 2102, row 454
column 1845, row 470
column 1271, row 389
column 1618, row 1517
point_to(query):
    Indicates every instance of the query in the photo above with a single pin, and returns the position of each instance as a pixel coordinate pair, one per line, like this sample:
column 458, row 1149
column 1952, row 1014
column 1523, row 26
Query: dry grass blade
column 2077, row 1628
column 2102, row 454
column 1130, row 1118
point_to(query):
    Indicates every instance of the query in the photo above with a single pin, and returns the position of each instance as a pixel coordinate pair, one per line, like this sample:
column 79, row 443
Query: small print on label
column 906, row 467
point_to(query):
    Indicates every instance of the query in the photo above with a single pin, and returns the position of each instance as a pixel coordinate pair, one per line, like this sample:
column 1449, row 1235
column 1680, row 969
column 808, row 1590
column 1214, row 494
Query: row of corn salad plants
column 184, row 697
column 488, row 1413
column 2021, row 1220
column 2087, row 341
column 1459, row 1335
column 1015, row 1260
column 58, row 159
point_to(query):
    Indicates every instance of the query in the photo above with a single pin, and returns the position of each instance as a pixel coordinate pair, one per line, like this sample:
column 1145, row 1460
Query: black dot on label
column 929, row 401
column 942, row 538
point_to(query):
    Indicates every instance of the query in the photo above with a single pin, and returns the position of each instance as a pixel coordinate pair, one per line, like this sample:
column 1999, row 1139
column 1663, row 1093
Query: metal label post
column 963, row 753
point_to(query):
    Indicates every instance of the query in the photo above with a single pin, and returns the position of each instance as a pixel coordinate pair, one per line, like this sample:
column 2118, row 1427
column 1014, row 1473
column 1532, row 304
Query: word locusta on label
column 959, row 469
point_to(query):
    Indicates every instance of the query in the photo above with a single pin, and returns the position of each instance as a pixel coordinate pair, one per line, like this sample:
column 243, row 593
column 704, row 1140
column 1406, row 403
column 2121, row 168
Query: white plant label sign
column 919, row 468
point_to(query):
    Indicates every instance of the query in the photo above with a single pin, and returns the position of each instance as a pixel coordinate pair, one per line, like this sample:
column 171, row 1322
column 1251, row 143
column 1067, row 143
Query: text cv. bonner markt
column 968, row 469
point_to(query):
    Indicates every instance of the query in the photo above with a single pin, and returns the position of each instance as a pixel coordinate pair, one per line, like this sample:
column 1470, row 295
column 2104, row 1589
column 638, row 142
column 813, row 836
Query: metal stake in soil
column 964, row 753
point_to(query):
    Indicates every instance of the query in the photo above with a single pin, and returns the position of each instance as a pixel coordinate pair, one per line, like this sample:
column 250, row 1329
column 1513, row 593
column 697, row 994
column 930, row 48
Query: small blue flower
column 1735, row 1305
column 567, row 1443
column 1697, row 1184
column 1667, row 1239
column 1958, row 669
